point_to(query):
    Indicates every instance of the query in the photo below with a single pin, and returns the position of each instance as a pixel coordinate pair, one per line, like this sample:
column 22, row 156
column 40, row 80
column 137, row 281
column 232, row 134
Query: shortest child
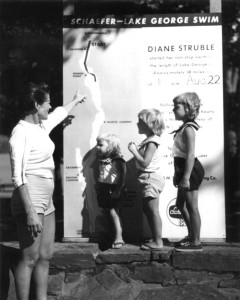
column 111, row 178
column 150, row 180
column 189, row 171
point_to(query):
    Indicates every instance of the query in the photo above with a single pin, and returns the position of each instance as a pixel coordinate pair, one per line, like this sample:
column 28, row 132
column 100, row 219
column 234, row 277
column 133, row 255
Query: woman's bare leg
column 29, row 247
column 40, row 272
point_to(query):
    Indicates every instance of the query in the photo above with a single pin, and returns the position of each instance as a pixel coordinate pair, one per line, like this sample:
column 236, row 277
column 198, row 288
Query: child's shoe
column 189, row 247
column 185, row 240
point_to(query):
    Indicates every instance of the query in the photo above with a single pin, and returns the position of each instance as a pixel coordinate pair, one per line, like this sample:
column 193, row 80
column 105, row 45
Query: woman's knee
column 31, row 259
column 46, row 253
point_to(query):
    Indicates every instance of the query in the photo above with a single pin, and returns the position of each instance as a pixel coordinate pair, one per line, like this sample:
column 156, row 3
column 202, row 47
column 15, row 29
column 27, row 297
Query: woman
column 32, row 164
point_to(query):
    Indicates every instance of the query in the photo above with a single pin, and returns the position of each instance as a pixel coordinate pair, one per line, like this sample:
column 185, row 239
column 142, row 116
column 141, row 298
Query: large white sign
column 125, row 65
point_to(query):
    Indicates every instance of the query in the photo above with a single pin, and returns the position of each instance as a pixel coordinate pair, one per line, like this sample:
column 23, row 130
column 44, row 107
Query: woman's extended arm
column 61, row 112
column 78, row 98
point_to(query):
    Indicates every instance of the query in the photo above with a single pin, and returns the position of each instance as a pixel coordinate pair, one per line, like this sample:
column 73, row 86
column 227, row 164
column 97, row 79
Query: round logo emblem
column 174, row 215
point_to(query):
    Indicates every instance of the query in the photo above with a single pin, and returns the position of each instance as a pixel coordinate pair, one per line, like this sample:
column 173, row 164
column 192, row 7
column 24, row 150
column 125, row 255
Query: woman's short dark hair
column 34, row 93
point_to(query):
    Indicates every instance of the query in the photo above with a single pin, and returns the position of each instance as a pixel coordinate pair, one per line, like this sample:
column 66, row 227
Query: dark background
column 31, row 50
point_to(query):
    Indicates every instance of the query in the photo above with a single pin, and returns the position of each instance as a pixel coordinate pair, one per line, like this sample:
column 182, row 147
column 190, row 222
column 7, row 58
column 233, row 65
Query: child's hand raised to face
column 132, row 147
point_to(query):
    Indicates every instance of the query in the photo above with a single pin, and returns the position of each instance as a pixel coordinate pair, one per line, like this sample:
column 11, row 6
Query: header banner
column 142, row 21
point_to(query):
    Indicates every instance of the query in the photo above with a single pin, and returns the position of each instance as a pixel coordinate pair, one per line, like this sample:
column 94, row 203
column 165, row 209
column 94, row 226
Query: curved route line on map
column 85, row 61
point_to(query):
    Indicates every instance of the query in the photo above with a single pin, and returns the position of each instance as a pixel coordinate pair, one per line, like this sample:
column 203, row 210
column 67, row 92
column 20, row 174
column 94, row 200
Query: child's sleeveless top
column 154, row 165
column 179, row 146
column 108, row 171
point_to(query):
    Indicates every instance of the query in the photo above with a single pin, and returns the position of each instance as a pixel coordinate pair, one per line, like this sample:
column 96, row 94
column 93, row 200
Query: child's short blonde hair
column 191, row 103
column 154, row 120
column 113, row 142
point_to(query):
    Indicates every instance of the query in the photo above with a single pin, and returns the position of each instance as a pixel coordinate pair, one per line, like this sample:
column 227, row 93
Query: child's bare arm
column 145, row 158
column 122, row 173
column 122, row 168
column 189, row 135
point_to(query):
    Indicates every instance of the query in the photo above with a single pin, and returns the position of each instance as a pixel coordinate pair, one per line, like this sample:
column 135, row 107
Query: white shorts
column 151, row 184
column 40, row 191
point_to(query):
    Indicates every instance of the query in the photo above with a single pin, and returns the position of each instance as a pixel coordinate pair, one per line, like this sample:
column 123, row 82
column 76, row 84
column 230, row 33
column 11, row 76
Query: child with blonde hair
column 148, row 162
column 189, row 172
column 111, row 178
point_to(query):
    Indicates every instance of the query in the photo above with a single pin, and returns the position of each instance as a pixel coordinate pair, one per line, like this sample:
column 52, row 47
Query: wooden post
column 68, row 8
column 215, row 6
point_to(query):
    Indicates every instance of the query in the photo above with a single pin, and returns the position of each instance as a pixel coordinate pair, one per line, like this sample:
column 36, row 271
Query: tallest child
column 189, row 172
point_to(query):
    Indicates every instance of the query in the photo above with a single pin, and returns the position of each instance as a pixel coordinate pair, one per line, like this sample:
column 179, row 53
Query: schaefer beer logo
column 174, row 215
